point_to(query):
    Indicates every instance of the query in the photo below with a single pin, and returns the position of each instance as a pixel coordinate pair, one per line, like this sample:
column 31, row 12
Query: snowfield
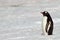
column 21, row 19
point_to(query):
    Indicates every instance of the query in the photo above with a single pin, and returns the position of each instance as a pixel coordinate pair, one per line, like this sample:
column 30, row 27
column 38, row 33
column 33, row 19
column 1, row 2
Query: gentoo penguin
column 47, row 23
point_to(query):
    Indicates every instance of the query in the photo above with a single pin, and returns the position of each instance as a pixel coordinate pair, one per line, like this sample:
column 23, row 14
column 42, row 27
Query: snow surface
column 21, row 19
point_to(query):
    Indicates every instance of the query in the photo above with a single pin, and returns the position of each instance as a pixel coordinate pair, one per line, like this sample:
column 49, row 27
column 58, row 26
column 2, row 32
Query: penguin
column 47, row 23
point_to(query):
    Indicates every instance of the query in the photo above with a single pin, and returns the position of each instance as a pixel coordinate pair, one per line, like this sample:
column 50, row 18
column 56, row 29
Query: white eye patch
column 45, row 11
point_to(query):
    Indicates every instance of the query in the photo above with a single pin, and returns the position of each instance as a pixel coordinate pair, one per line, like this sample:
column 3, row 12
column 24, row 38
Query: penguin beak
column 41, row 12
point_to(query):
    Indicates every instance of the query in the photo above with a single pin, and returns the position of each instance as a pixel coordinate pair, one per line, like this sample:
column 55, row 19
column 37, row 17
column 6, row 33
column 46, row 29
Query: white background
column 21, row 19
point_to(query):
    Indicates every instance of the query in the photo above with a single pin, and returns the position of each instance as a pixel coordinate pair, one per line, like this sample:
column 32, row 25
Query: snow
column 21, row 19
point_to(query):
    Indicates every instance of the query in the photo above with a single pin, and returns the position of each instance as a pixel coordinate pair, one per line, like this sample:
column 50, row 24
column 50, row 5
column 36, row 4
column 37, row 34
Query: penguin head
column 45, row 13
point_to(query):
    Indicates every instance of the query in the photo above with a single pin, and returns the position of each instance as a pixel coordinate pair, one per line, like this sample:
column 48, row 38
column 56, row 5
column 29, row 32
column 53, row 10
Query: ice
column 21, row 19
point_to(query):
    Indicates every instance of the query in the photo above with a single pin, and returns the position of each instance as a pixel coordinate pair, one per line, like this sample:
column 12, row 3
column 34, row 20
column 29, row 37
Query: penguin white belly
column 44, row 22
